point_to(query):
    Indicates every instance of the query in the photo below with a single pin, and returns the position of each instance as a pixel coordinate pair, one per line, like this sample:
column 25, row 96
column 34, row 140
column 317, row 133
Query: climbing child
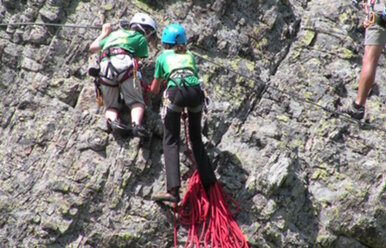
column 118, row 76
column 204, row 197
column 176, row 65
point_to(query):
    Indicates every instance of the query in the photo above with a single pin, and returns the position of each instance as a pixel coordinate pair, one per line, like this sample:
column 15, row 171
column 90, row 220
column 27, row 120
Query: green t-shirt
column 168, row 61
column 132, row 41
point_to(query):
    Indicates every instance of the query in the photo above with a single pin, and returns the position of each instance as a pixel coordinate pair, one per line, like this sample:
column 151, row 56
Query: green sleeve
column 141, row 51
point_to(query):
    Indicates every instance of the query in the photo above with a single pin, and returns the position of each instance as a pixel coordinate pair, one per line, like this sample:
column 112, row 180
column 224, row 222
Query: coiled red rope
column 195, row 209
column 223, row 230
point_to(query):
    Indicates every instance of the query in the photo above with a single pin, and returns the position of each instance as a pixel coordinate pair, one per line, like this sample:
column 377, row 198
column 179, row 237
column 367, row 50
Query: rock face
column 276, row 71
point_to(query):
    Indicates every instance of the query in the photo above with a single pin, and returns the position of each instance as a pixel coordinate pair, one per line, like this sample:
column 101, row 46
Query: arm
column 158, row 75
column 106, row 28
column 156, row 85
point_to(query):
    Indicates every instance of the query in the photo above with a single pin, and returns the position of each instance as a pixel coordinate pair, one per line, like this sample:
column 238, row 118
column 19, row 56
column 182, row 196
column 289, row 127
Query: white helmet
column 143, row 19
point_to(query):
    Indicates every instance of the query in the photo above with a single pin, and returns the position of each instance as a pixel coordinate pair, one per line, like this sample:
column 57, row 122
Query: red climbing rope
column 194, row 207
column 175, row 224
column 223, row 230
column 193, row 210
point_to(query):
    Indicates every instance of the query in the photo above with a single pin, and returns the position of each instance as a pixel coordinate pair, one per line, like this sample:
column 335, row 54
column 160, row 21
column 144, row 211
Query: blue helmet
column 173, row 34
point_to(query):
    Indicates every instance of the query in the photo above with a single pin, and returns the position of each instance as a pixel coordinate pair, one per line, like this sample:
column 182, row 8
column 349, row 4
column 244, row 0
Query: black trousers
column 185, row 97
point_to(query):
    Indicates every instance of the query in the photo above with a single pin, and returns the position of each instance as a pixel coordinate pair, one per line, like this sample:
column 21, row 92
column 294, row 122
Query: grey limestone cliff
column 277, row 72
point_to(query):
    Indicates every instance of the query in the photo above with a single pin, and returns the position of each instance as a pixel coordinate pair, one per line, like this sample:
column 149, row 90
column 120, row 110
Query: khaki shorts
column 130, row 91
column 375, row 34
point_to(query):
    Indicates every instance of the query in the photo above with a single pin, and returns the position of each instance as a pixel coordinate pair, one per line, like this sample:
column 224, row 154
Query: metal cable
column 50, row 24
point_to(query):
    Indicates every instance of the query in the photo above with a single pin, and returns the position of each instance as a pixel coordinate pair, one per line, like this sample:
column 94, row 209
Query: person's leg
column 110, row 96
column 111, row 114
column 204, row 166
column 137, row 110
column 375, row 40
column 171, row 148
column 171, row 156
column 133, row 98
column 368, row 72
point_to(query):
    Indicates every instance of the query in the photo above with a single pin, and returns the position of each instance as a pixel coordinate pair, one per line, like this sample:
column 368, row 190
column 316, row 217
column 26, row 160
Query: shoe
column 116, row 127
column 166, row 196
column 355, row 111
column 108, row 126
column 139, row 131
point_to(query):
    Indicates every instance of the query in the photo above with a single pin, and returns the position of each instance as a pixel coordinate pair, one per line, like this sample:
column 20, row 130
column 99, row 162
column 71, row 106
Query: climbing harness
column 146, row 88
column 177, row 76
column 176, row 108
column 180, row 73
column 166, row 103
column 112, row 76
column 114, row 70
column 104, row 71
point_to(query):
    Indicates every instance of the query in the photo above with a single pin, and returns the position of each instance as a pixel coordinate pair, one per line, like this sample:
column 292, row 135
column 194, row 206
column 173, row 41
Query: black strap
column 113, row 70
